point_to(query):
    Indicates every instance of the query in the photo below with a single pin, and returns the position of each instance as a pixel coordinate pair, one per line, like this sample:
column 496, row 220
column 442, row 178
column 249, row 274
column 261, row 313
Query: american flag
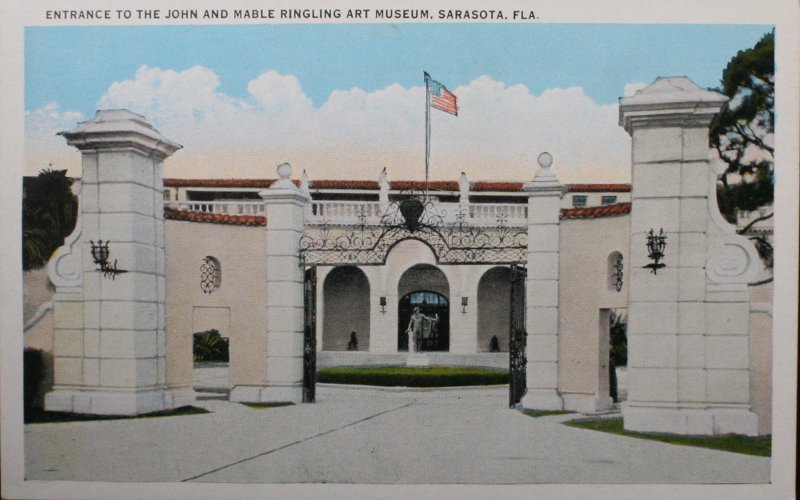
column 441, row 98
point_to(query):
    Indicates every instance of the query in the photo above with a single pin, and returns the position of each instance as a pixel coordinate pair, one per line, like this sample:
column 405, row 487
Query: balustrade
column 367, row 212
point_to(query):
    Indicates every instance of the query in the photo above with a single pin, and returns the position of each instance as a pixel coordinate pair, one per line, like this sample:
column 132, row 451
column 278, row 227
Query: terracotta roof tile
column 593, row 212
column 597, row 188
column 336, row 184
column 236, row 220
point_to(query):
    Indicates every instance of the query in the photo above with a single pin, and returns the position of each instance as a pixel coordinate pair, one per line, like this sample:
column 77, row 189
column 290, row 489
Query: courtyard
column 356, row 434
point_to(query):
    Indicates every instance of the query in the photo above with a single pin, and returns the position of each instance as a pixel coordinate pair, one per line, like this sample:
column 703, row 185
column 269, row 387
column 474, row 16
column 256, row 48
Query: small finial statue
column 494, row 344
column 305, row 184
column 463, row 187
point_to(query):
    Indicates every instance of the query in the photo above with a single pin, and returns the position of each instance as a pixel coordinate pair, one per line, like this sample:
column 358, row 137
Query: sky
column 344, row 101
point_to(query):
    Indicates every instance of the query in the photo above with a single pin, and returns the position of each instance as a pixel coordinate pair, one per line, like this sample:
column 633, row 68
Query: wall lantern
column 464, row 302
column 383, row 304
column 656, row 244
column 100, row 255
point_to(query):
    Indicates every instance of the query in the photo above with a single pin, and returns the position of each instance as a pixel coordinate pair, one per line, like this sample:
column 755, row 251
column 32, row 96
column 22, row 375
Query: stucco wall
column 241, row 251
column 584, row 296
column 761, row 358
column 36, row 290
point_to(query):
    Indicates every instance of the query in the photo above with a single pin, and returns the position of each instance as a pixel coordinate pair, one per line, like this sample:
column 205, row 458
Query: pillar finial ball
column 284, row 171
column 545, row 160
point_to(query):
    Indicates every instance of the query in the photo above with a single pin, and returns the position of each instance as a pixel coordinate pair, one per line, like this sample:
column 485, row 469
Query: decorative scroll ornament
column 414, row 215
column 733, row 258
column 656, row 244
column 65, row 268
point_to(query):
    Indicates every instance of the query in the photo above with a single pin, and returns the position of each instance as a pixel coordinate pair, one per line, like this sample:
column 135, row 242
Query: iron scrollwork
column 618, row 274
column 210, row 275
column 415, row 215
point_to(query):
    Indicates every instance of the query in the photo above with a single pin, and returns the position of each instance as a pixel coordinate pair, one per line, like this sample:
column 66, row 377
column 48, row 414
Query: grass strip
column 49, row 417
column 405, row 376
column 760, row 446
column 545, row 413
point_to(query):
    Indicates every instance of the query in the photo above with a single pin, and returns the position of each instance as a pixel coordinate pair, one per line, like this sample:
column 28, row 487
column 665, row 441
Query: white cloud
column 632, row 88
column 42, row 146
column 498, row 134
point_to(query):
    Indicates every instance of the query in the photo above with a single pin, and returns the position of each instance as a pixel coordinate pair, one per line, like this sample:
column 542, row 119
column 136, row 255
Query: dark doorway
column 430, row 304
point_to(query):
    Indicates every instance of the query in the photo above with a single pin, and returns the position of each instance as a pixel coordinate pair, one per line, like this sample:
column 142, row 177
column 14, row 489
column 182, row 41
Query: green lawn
column 405, row 376
column 47, row 417
column 264, row 406
column 760, row 446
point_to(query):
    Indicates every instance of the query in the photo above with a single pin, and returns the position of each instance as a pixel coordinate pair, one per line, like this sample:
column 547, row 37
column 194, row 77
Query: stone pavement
column 365, row 435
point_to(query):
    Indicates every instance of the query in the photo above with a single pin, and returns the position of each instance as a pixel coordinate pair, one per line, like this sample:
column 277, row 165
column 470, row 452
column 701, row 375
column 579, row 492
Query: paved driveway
column 370, row 436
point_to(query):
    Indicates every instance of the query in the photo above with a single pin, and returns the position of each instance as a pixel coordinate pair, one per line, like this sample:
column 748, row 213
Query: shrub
column 210, row 346
column 33, row 377
column 402, row 376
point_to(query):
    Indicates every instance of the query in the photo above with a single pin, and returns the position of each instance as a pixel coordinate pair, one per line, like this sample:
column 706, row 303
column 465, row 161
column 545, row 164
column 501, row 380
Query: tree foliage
column 619, row 341
column 742, row 133
column 49, row 212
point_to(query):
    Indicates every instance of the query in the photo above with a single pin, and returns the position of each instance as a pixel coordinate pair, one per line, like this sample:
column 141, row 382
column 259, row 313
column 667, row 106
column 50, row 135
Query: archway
column 494, row 308
column 424, row 286
column 345, row 297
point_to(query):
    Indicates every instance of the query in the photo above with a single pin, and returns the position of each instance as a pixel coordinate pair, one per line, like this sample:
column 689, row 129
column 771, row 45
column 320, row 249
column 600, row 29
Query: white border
column 782, row 13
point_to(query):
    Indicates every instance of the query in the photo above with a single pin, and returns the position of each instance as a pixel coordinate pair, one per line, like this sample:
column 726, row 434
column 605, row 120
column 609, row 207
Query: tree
column 742, row 133
column 49, row 212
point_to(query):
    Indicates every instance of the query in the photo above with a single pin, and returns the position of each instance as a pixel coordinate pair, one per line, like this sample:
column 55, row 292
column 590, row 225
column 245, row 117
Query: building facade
column 234, row 252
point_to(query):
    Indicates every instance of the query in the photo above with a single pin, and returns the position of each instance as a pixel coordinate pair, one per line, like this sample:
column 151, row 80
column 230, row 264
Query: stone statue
column 353, row 344
column 420, row 327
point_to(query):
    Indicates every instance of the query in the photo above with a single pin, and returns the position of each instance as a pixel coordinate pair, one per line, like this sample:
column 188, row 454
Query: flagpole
column 427, row 128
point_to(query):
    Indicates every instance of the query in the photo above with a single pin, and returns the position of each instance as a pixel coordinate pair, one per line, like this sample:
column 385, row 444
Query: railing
column 367, row 212
column 370, row 212
column 244, row 207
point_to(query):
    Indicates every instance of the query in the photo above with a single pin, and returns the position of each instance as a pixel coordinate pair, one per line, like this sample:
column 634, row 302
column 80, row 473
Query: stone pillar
column 541, row 288
column 688, row 358
column 285, row 206
column 110, row 341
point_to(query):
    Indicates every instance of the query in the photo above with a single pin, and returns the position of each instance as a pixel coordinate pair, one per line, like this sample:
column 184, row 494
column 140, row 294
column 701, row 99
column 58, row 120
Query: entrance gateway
column 453, row 237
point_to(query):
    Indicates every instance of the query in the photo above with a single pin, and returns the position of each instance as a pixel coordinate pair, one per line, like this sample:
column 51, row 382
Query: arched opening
column 494, row 309
column 345, row 297
column 432, row 305
column 426, row 287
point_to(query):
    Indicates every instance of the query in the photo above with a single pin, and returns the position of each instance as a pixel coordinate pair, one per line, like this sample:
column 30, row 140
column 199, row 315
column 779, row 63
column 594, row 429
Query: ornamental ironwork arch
column 413, row 215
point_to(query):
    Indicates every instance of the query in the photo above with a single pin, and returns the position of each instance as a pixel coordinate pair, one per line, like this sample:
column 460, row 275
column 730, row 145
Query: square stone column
column 541, row 288
column 688, row 359
column 109, row 339
column 285, row 208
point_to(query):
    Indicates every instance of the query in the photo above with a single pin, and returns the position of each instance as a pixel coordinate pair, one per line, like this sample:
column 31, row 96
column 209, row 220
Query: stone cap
column 120, row 128
column 670, row 101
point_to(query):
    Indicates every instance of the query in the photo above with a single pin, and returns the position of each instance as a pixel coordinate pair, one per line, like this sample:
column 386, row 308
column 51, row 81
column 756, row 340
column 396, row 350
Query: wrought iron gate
column 310, row 335
column 517, row 337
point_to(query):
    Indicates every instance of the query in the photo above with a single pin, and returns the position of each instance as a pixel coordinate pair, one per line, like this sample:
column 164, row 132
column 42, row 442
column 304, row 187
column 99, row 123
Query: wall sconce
column 383, row 304
column 100, row 254
column 464, row 302
column 656, row 244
